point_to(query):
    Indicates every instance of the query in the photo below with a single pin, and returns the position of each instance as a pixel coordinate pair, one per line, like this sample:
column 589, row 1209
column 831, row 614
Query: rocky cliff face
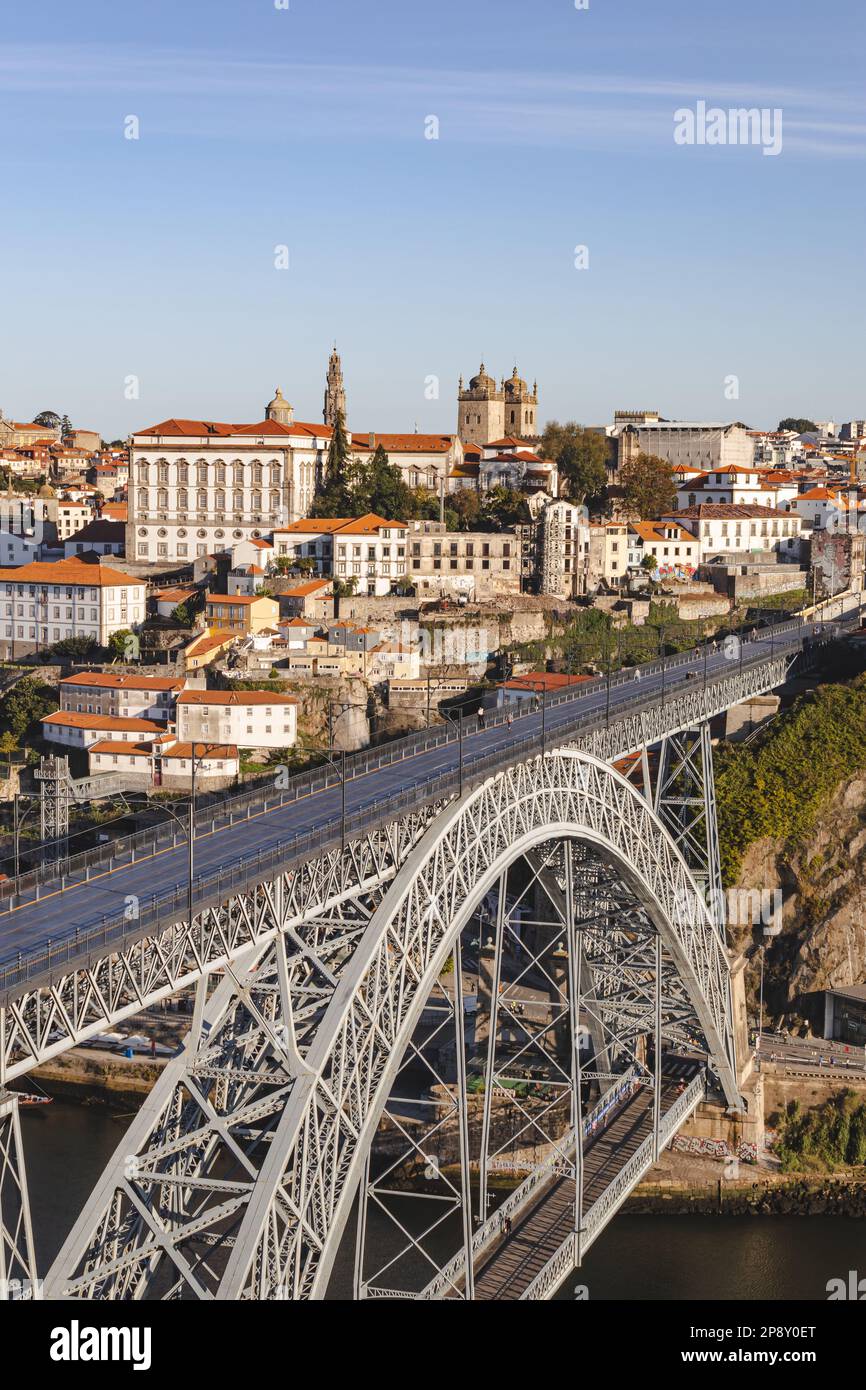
column 822, row 944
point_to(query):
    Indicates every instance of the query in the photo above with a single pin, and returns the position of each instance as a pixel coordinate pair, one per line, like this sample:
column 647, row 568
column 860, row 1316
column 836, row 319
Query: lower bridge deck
column 541, row 1229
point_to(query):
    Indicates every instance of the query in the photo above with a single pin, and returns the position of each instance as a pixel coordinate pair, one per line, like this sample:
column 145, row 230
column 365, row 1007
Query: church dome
column 482, row 380
column 46, row 490
column 279, row 409
column 516, row 386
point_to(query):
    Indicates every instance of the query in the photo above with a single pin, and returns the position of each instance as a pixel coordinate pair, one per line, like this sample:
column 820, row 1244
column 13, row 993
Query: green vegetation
column 778, row 786
column 581, row 457
column 823, row 1139
column 648, row 486
column 21, row 709
column 798, row 424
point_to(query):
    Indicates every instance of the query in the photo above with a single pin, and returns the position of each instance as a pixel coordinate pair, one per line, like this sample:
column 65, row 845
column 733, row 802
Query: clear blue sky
column 261, row 126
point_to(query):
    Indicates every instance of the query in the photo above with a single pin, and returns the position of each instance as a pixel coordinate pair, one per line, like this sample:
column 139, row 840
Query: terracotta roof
column 652, row 531
column 403, row 443
column 220, row 430
column 202, row 750
column 131, row 750
column 725, row 511
column 105, row 680
column 175, row 596
column 234, row 697
column 237, row 598
column 343, row 525
column 220, row 637
column 72, row 571
column 304, row 590
column 70, row 720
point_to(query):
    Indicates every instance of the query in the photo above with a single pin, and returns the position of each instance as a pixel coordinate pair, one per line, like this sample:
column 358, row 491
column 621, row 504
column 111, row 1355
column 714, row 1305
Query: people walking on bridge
column 637, row 673
column 507, row 1227
column 480, row 717
column 510, row 720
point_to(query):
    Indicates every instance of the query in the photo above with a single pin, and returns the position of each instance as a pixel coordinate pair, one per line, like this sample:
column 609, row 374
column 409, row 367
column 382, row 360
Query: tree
column 25, row 704
column 182, row 615
column 648, row 486
column 65, row 427
column 799, row 426
column 378, row 487
column 49, row 419
column 123, row 645
column 502, row 507
column 580, row 455
column 425, row 504
column 463, row 510
column 334, row 497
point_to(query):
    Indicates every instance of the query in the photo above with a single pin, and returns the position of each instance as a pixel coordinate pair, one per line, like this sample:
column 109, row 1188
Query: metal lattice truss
column 689, row 708
column 17, row 1261
column 236, row 1178
column 41, row 1022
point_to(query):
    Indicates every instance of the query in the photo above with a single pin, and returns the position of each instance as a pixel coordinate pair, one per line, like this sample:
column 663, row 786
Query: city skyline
column 155, row 258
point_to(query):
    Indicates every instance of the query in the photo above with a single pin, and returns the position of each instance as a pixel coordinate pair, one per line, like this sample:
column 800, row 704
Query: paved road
column 808, row 1055
column 58, row 913
column 540, row 1231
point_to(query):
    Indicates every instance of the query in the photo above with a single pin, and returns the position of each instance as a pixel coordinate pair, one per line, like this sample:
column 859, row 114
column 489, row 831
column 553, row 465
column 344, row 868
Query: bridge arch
column 289, row 1235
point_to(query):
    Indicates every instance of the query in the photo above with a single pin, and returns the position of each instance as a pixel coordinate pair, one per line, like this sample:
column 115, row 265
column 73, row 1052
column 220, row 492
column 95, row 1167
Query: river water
column 638, row 1257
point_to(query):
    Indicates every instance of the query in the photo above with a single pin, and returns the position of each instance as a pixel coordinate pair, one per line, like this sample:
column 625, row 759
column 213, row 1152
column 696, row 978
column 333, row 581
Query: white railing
column 552, row 1167
column 547, row 1281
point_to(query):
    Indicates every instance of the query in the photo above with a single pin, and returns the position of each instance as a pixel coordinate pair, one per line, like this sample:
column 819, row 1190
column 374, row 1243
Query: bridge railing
column 560, row 1265
column 551, row 1167
column 217, row 810
column 163, row 909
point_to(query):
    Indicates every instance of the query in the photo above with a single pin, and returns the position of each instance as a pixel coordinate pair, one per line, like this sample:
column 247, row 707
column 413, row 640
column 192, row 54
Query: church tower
column 521, row 406
column 335, row 391
column 279, row 409
column 480, row 410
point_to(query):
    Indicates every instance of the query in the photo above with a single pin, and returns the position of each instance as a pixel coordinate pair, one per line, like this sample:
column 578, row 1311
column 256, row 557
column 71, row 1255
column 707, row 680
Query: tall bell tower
column 335, row 391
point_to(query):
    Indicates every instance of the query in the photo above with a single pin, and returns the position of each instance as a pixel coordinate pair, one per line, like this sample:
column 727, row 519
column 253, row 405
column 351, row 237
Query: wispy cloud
column 202, row 95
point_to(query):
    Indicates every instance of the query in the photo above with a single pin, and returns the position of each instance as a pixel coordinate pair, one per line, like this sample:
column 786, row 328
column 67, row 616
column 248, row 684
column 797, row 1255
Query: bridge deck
column 540, row 1231
column 61, row 908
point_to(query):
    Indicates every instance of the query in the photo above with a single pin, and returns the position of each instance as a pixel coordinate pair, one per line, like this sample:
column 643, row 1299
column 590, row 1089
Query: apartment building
column 676, row 551
column 564, row 547
column 368, row 549
column 468, row 564
column 425, row 460
column 165, row 762
column 730, row 529
column 122, row 695
column 70, row 729
column 241, row 613
column 46, row 602
column 247, row 718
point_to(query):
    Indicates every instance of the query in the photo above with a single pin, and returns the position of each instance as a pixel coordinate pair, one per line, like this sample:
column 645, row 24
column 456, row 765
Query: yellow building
column 241, row 613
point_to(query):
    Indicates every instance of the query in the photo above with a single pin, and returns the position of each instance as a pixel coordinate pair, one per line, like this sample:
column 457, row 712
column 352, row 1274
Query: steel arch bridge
column 237, row 1178
column 333, row 1084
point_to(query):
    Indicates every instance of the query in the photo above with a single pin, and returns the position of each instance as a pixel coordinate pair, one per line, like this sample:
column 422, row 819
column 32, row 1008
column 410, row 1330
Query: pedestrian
column 510, row 720
column 153, row 1047
column 637, row 673
column 480, row 717
column 507, row 1227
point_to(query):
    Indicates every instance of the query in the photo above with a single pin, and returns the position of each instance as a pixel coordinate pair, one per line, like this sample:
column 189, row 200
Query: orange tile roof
column 131, row 750
column 652, row 531
column 237, row 598
column 70, row 571
column 234, row 697
column 68, row 719
column 107, row 680
column 345, row 525
column 220, row 430
column 202, row 750
column 304, row 590
column 403, row 443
